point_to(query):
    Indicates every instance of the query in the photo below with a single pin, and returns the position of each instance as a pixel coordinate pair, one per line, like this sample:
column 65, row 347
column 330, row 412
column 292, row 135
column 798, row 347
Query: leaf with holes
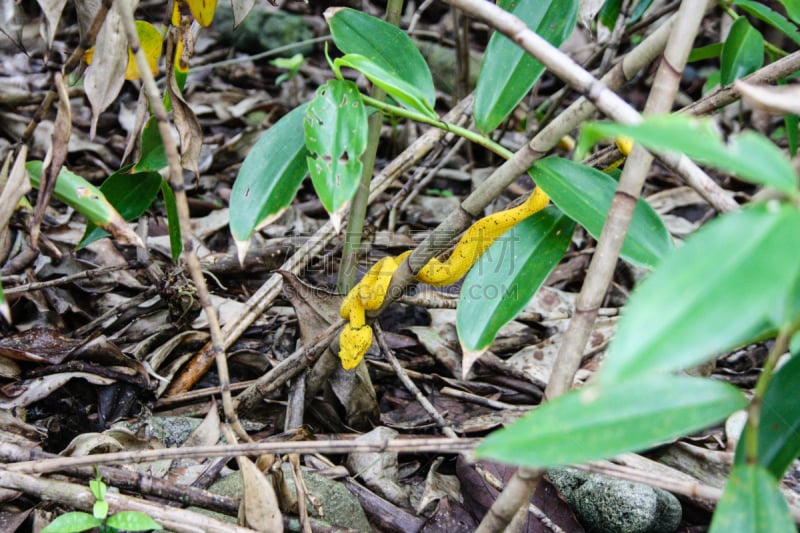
column 336, row 135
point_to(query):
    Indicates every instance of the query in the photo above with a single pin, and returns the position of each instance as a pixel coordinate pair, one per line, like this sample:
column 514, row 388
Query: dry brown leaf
column 379, row 470
column 86, row 10
column 189, row 130
column 240, row 10
column 106, row 75
column 438, row 486
column 54, row 160
column 316, row 310
column 52, row 13
column 209, row 431
column 775, row 100
column 260, row 503
column 26, row 392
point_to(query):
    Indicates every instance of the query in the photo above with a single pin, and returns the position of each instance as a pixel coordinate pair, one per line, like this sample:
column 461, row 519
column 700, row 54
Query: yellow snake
column 369, row 293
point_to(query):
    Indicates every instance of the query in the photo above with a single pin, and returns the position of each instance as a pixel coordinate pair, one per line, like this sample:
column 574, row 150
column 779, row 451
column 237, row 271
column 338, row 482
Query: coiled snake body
column 369, row 293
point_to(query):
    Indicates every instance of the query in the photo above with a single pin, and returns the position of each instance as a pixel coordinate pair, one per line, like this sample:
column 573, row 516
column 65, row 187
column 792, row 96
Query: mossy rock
column 263, row 29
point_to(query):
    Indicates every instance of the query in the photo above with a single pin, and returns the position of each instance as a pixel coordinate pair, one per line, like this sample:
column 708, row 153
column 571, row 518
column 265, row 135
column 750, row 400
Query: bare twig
column 410, row 385
column 411, row 445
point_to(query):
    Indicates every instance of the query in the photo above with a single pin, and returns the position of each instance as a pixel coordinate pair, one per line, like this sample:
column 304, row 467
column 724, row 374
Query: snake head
column 353, row 345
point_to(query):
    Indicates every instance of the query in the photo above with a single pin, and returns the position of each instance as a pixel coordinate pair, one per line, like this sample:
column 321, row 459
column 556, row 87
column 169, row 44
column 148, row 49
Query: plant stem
column 750, row 433
column 358, row 210
column 473, row 136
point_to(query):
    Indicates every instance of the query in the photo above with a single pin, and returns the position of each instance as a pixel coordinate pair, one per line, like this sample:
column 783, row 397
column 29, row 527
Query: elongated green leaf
column 402, row 91
column 743, row 52
column 749, row 156
column 5, row 311
column 726, row 286
column 752, row 503
column 72, row 522
column 336, row 136
column 792, row 9
column 603, row 420
column 88, row 200
column 153, row 156
column 270, row 175
column 776, row 20
column 585, row 195
column 508, row 72
column 355, row 32
column 609, row 13
column 133, row 521
column 792, row 125
column 175, row 242
column 130, row 194
column 705, row 52
column 641, row 7
column 509, row 273
column 779, row 426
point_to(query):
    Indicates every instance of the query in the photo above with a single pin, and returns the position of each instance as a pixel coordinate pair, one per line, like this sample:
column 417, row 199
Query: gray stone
column 615, row 506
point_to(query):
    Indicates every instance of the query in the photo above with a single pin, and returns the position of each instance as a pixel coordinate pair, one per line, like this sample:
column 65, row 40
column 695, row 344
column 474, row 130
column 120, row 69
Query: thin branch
column 410, row 445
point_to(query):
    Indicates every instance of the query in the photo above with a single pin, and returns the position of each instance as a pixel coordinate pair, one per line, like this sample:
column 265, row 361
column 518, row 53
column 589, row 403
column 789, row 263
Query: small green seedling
column 291, row 64
column 76, row 521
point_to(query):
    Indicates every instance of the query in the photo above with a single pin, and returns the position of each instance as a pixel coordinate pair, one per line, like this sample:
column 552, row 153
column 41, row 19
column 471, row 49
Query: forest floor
column 99, row 355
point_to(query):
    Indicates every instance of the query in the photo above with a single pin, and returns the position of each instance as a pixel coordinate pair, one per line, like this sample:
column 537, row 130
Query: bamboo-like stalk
column 601, row 269
column 358, row 209
column 125, row 10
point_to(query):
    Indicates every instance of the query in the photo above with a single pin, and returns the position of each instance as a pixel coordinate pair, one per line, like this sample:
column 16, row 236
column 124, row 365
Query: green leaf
column 153, row 156
column 752, row 503
column 639, row 10
column 407, row 94
column 132, row 521
column 270, row 175
column 726, row 286
column 78, row 193
column 98, row 488
column 173, row 221
column 792, row 8
column 792, row 125
column 779, row 427
column 705, row 52
column 100, row 509
column 130, row 194
column 743, row 52
column 72, row 523
column 776, row 20
column 5, row 311
column 749, row 155
column 508, row 72
column 585, row 195
column 355, row 32
column 609, row 13
column 603, row 420
column 336, row 136
column 509, row 273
